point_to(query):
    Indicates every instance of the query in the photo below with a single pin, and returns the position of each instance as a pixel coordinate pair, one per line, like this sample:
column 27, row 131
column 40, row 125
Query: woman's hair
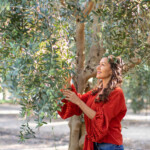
column 116, row 64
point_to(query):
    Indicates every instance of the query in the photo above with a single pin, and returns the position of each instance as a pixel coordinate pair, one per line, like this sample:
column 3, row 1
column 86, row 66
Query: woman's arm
column 72, row 97
column 86, row 109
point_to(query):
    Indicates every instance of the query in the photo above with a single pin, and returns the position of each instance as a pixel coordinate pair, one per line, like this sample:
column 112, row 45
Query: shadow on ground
column 55, row 136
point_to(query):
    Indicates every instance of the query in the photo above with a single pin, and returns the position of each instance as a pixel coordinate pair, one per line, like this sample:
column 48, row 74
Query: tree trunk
column 75, row 125
column 83, row 73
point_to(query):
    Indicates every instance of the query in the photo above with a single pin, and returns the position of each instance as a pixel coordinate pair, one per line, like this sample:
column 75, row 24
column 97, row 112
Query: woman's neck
column 105, row 82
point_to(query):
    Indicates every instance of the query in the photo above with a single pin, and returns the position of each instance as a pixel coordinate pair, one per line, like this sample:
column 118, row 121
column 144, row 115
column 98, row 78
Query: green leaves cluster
column 124, row 27
column 35, row 58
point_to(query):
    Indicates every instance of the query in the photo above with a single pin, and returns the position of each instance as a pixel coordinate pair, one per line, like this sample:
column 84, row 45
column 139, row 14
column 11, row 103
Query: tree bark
column 95, row 54
column 77, row 128
column 75, row 123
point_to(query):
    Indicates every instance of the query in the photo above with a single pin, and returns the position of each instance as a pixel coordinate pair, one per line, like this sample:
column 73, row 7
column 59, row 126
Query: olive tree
column 43, row 42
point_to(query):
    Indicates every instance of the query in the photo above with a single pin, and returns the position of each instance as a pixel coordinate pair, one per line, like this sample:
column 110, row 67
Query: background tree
column 136, row 87
column 39, row 39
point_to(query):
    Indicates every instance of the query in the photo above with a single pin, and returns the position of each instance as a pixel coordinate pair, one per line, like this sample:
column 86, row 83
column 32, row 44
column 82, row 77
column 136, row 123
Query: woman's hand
column 71, row 96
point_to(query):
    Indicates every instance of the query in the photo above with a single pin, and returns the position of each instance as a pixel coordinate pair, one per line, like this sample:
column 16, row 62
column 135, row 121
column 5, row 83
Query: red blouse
column 105, row 127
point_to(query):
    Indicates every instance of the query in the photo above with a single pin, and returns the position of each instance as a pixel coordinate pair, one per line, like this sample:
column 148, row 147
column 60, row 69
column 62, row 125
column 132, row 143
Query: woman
column 103, row 107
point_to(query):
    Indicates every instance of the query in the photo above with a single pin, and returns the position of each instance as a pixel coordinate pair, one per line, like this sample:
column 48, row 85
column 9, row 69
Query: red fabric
column 105, row 127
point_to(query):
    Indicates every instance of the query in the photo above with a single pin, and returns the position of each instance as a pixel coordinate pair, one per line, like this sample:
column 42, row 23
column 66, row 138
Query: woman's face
column 103, row 69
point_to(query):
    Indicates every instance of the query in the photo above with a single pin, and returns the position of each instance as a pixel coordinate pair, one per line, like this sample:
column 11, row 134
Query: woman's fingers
column 70, row 96
column 67, row 93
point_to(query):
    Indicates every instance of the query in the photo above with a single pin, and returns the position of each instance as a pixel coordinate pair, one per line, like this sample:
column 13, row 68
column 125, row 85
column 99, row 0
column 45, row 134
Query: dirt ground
column 55, row 135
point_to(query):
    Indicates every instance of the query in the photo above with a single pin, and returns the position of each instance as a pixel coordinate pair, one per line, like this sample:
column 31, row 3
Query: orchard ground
column 55, row 135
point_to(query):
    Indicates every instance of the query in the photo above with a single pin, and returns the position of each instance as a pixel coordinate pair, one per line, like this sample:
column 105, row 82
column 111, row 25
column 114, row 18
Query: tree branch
column 80, row 43
column 80, row 38
column 86, row 11
column 88, row 8
column 134, row 61
column 131, row 64
column 96, row 50
column 63, row 3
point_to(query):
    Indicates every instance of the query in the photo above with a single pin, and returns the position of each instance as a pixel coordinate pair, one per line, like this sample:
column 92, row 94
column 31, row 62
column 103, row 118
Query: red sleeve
column 69, row 109
column 116, row 107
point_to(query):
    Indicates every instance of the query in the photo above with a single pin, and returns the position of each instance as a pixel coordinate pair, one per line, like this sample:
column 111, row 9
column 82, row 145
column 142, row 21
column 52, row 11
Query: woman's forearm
column 72, row 97
column 87, row 110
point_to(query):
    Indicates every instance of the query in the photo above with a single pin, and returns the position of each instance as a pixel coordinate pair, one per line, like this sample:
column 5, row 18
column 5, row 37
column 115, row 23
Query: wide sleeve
column 104, row 114
column 69, row 109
